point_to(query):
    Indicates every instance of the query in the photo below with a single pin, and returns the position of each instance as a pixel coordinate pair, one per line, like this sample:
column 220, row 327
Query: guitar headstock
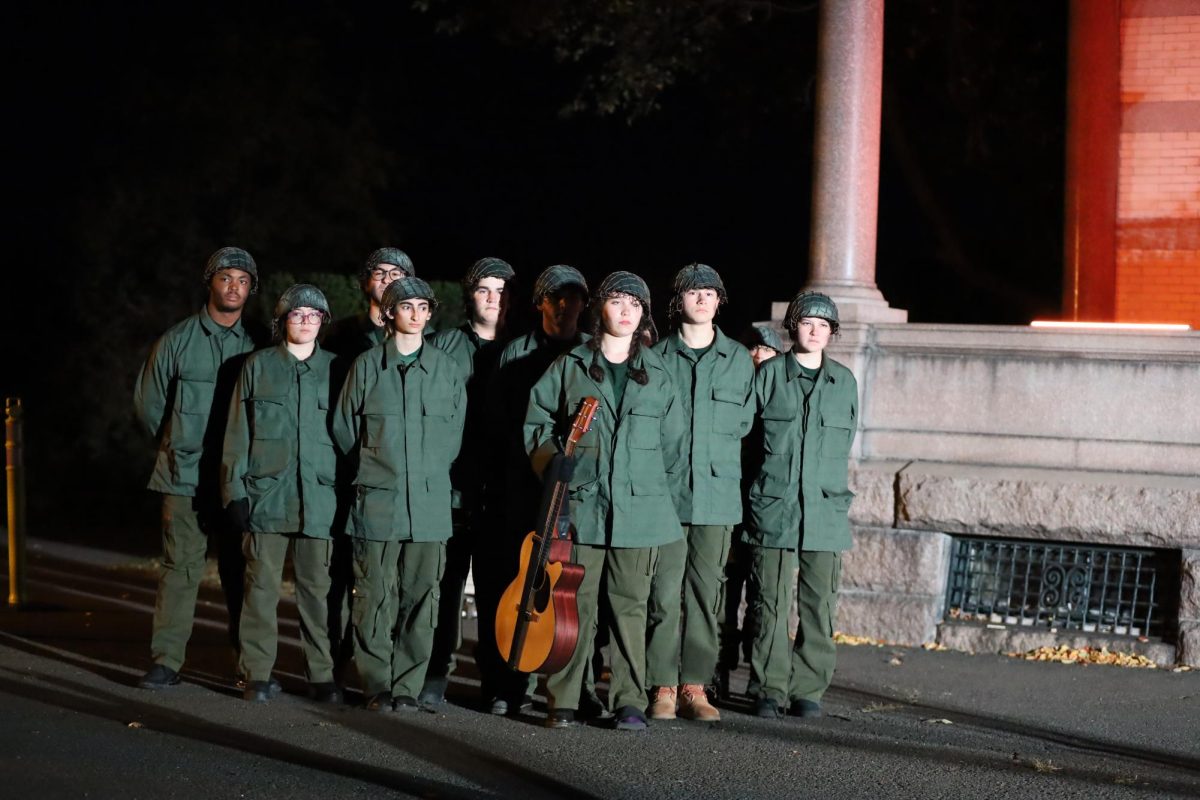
column 583, row 420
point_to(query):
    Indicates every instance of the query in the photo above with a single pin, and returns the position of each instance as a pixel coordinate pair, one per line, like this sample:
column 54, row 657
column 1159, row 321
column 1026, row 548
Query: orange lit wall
column 1157, row 270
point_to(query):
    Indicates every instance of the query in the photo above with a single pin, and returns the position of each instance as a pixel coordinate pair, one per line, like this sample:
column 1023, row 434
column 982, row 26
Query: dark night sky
column 147, row 135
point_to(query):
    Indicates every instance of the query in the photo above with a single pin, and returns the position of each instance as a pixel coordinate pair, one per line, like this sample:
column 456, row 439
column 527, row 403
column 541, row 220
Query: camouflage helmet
column 487, row 268
column 617, row 283
column 387, row 255
column 811, row 304
column 301, row 295
column 555, row 279
column 407, row 289
column 622, row 282
column 232, row 258
column 763, row 336
column 695, row 276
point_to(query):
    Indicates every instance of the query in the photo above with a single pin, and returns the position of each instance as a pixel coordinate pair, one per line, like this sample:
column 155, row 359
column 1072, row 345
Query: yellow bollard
column 16, row 502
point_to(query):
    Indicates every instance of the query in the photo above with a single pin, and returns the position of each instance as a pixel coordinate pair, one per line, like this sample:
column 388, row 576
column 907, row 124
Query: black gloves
column 562, row 468
column 238, row 512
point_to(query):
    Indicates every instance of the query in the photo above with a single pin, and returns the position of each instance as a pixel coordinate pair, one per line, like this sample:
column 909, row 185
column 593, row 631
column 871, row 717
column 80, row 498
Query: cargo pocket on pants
column 831, row 599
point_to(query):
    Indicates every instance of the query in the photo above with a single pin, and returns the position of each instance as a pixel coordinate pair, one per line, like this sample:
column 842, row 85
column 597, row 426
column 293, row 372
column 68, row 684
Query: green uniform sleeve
column 153, row 386
column 458, row 418
column 345, row 423
column 235, row 452
column 541, row 418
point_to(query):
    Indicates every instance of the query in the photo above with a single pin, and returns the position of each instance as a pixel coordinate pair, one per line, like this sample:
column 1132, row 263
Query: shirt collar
column 212, row 327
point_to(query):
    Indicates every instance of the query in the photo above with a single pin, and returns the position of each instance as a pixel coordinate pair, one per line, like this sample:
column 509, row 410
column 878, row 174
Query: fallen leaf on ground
column 1045, row 766
column 1064, row 654
column 845, row 638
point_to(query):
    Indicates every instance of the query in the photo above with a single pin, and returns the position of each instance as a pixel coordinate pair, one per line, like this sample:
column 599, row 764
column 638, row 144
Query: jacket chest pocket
column 270, row 416
column 837, row 431
column 194, row 404
column 779, row 423
column 322, row 427
column 378, row 429
column 729, row 415
column 644, row 423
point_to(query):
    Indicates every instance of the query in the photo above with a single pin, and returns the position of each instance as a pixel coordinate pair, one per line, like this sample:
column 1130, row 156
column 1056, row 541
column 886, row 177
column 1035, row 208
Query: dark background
column 144, row 136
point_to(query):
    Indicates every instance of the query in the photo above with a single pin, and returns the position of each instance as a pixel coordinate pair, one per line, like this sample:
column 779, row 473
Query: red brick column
column 1158, row 210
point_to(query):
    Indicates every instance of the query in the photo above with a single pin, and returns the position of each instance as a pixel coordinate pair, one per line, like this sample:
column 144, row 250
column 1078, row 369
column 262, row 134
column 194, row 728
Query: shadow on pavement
column 88, row 700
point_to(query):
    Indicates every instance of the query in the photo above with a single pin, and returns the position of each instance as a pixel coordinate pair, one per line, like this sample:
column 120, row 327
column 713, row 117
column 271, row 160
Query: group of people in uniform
column 392, row 461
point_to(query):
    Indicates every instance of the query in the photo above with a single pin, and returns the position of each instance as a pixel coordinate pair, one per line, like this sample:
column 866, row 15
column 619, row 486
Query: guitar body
column 563, row 597
column 537, row 621
column 552, row 629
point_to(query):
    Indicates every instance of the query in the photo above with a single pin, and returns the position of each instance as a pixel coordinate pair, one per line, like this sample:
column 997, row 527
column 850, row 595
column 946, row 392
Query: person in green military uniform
column 346, row 339
column 620, row 490
column 475, row 346
column 799, row 509
column 713, row 374
column 400, row 417
column 350, row 336
column 277, row 477
column 559, row 295
column 182, row 396
column 737, row 634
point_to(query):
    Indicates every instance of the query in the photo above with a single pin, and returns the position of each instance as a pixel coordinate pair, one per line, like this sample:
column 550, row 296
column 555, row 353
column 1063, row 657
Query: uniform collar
column 287, row 357
column 392, row 358
column 212, row 327
column 721, row 343
column 793, row 368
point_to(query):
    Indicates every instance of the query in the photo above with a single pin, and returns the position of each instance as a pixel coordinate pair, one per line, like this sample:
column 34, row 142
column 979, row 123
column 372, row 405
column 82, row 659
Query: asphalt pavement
column 899, row 722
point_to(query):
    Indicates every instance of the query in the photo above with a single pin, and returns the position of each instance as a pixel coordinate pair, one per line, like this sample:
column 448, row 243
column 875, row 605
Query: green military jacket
column 278, row 452
column 800, row 497
column 403, row 427
column 717, row 398
column 477, row 359
column 181, row 397
column 620, row 493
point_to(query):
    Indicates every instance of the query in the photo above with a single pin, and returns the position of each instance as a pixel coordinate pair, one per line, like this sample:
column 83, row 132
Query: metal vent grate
column 1109, row 590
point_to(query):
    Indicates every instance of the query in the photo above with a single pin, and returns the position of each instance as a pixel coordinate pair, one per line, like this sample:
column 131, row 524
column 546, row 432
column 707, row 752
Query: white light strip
column 1111, row 326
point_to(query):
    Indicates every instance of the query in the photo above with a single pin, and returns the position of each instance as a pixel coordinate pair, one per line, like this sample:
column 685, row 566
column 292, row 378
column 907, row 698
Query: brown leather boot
column 693, row 704
column 662, row 703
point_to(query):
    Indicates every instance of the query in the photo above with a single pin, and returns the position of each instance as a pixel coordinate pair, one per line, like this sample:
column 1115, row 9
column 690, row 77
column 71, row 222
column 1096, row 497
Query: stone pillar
column 1093, row 139
column 846, row 160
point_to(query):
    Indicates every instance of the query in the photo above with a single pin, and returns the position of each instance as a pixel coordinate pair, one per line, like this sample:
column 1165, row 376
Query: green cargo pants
column 395, row 612
column 626, row 574
column 682, row 635
column 184, row 547
column 808, row 671
column 448, row 636
column 265, row 554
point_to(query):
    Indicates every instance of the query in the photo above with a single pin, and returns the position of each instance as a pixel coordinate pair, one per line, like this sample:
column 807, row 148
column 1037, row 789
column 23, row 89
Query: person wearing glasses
column 277, row 476
column 348, row 338
column 399, row 417
column 181, row 397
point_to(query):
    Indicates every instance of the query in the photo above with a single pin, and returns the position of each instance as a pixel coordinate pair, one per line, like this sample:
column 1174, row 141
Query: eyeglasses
column 306, row 316
column 391, row 275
